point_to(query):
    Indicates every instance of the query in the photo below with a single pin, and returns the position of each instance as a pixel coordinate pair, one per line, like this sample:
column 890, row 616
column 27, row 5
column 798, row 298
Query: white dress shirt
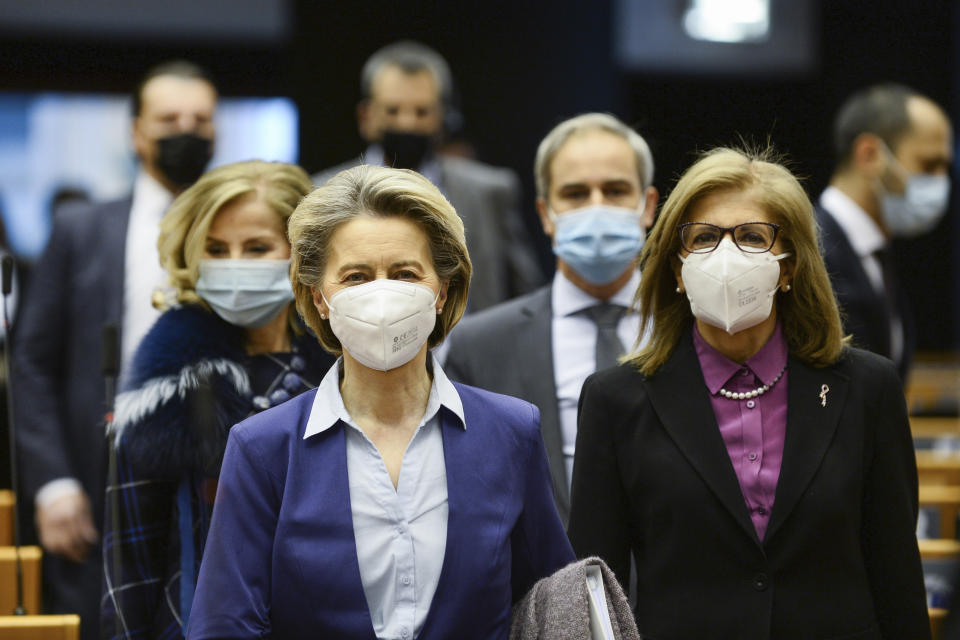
column 401, row 534
column 574, row 345
column 142, row 271
column 866, row 238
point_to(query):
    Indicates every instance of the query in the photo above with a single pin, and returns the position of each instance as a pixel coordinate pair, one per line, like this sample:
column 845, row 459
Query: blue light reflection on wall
column 52, row 141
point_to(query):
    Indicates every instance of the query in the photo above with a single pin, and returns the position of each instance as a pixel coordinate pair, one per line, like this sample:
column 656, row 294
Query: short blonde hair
column 184, row 228
column 808, row 313
column 379, row 192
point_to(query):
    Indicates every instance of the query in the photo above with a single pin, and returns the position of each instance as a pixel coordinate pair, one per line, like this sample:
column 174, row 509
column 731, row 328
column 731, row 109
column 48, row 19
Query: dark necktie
column 885, row 259
column 609, row 347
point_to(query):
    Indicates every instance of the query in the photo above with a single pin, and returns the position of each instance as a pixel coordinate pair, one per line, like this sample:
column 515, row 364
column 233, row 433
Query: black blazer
column 839, row 559
column 76, row 288
column 865, row 314
column 59, row 395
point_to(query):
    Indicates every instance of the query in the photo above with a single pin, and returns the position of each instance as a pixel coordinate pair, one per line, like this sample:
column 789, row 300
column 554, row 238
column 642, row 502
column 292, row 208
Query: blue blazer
column 281, row 559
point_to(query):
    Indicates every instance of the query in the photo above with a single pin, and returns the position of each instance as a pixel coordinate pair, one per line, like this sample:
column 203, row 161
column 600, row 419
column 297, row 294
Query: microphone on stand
column 111, row 368
column 110, row 355
column 6, row 267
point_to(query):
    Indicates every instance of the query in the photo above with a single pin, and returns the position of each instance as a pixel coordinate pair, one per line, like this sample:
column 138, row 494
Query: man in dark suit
column 894, row 150
column 406, row 93
column 595, row 196
column 100, row 268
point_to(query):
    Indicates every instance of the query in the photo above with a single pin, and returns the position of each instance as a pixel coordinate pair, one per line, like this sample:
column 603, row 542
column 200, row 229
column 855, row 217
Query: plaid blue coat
column 185, row 388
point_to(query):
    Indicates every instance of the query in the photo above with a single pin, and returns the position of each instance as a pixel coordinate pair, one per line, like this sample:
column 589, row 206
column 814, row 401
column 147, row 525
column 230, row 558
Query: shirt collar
column 568, row 298
column 863, row 233
column 765, row 364
column 328, row 406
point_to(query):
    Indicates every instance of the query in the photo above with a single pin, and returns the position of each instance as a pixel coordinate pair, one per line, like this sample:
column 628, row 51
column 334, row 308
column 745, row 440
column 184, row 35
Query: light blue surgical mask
column 921, row 205
column 919, row 208
column 599, row 242
column 245, row 293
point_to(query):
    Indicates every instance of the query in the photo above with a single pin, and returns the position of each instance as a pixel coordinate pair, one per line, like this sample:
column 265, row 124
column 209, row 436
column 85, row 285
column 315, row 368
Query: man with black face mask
column 100, row 267
column 406, row 88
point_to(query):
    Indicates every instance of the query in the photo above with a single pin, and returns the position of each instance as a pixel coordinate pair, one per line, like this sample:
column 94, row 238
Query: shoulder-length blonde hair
column 379, row 192
column 184, row 228
column 808, row 313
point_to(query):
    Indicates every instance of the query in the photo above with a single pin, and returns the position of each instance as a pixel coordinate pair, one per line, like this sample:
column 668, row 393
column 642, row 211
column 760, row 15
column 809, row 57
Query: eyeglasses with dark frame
column 750, row 237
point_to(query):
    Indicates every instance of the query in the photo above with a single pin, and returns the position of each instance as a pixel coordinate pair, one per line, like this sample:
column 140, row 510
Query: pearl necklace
column 759, row 391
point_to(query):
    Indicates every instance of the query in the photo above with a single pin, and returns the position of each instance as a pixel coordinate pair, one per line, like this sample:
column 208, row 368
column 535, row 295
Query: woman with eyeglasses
column 758, row 468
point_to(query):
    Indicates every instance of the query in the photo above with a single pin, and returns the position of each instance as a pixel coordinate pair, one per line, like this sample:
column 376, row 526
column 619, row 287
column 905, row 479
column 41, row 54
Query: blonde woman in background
column 230, row 345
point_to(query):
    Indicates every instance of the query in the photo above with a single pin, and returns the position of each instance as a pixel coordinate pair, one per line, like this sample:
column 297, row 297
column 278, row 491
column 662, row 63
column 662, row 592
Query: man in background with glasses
column 594, row 177
column 893, row 149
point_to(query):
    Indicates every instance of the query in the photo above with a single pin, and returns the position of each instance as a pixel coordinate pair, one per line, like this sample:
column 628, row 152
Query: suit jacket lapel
column 682, row 402
column 457, row 459
column 114, row 235
column 326, row 461
column 855, row 284
column 810, row 428
column 535, row 341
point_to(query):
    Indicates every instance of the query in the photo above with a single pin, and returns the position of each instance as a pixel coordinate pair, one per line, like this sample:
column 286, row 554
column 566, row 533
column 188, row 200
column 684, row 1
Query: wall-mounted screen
column 741, row 37
column 55, row 145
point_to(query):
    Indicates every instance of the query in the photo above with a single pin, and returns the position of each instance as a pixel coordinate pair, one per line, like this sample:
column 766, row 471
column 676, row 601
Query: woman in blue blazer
column 390, row 502
column 758, row 469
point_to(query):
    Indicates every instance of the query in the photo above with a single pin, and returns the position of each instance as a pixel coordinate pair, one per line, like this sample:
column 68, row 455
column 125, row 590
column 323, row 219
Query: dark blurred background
column 520, row 67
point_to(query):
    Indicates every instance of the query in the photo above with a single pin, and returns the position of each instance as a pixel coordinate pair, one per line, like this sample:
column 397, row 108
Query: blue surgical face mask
column 245, row 293
column 920, row 207
column 599, row 242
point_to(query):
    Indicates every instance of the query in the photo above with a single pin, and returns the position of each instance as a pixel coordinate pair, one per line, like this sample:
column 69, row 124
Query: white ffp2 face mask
column 729, row 288
column 383, row 324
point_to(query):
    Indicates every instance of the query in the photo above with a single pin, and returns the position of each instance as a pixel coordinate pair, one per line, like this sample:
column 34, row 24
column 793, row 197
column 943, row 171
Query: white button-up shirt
column 574, row 347
column 142, row 271
column 401, row 534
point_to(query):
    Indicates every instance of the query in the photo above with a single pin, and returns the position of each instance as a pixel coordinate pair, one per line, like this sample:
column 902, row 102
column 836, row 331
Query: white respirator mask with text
column 383, row 324
column 729, row 288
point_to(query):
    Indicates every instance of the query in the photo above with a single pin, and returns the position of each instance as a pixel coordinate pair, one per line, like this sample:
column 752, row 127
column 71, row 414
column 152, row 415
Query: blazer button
column 760, row 582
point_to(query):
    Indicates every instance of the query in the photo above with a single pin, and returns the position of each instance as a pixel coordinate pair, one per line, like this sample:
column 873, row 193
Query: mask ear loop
column 778, row 258
column 435, row 299
column 323, row 316
column 896, row 167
